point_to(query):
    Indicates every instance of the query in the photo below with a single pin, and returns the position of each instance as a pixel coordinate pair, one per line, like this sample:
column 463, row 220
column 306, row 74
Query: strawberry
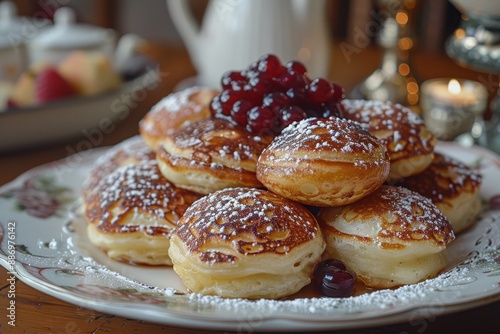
column 50, row 85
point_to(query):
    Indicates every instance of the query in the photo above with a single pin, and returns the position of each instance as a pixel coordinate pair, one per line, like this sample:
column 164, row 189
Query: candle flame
column 454, row 87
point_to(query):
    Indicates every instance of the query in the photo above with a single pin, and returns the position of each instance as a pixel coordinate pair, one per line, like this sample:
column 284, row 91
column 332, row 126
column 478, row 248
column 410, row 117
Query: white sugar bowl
column 65, row 36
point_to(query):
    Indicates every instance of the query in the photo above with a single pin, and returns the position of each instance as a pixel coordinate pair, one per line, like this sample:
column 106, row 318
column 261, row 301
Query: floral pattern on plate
column 39, row 196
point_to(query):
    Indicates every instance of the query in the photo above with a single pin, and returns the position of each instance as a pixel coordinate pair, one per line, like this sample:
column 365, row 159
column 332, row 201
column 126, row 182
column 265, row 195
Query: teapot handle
column 186, row 24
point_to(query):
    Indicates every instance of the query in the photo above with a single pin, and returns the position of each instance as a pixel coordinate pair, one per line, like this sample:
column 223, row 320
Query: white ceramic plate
column 39, row 228
column 71, row 118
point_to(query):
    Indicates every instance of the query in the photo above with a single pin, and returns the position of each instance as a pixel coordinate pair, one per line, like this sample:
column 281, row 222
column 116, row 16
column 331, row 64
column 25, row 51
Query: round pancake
column 133, row 212
column 323, row 162
column 129, row 151
column 452, row 187
column 210, row 155
column 392, row 237
column 130, row 207
column 174, row 111
column 409, row 144
column 246, row 243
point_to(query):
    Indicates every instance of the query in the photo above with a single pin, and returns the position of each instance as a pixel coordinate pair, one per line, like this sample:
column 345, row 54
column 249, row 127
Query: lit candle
column 450, row 106
column 455, row 92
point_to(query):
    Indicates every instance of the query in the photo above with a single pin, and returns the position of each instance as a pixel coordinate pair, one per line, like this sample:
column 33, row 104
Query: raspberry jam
column 267, row 96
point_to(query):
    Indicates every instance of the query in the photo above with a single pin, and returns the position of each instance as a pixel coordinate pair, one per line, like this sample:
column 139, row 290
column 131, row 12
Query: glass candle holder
column 452, row 107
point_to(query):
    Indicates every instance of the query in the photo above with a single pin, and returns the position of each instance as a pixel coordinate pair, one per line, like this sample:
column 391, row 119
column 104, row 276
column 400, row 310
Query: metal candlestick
column 393, row 80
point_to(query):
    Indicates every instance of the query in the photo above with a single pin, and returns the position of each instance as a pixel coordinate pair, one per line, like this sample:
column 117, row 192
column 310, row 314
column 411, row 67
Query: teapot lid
column 67, row 34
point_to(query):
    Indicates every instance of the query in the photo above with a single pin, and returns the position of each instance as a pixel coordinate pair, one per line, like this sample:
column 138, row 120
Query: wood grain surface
column 37, row 312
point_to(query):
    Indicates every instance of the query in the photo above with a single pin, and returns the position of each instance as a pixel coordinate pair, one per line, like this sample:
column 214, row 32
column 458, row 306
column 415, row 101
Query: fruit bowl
column 88, row 117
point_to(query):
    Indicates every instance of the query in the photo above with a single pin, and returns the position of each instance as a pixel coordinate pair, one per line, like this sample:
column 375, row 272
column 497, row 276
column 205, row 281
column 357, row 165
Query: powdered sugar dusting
column 174, row 111
column 420, row 217
column 250, row 221
column 137, row 193
column 400, row 129
column 445, row 179
column 328, row 135
column 129, row 151
column 174, row 102
column 215, row 144
column 405, row 216
column 389, row 113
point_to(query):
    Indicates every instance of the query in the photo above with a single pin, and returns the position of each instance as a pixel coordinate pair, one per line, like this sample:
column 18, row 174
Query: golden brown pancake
column 130, row 207
column 130, row 151
column 174, row 111
column 210, row 155
column 246, row 243
column 323, row 162
column 392, row 237
column 409, row 144
column 452, row 187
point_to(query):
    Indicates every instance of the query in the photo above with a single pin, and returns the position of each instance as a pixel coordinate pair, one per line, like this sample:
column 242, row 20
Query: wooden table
column 37, row 312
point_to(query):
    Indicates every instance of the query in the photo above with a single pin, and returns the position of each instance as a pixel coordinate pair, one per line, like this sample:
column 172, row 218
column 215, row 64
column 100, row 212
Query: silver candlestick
column 393, row 79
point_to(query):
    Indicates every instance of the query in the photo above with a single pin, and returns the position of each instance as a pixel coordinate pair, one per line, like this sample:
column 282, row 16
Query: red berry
column 291, row 114
column 254, row 67
column 260, row 119
column 338, row 92
column 276, row 100
column 334, row 263
column 285, row 81
column 261, row 84
column 229, row 78
column 320, row 90
column 329, row 108
column 331, row 278
column 267, row 96
column 296, row 67
column 251, row 94
column 237, row 85
column 298, row 96
column 338, row 283
column 240, row 111
column 50, row 85
column 269, row 64
column 288, row 80
column 227, row 99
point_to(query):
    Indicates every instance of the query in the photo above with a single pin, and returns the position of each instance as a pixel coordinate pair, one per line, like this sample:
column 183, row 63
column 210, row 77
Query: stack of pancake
column 231, row 210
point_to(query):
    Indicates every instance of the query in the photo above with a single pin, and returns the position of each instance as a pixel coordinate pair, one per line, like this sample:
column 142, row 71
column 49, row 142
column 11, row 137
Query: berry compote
column 268, row 96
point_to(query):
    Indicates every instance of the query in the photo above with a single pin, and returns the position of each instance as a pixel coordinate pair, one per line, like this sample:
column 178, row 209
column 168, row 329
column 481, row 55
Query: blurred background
column 435, row 20
column 423, row 30
column 371, row 48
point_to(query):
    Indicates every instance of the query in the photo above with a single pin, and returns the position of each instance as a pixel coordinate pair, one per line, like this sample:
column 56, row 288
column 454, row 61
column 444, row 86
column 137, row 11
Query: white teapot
column 235, row 33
